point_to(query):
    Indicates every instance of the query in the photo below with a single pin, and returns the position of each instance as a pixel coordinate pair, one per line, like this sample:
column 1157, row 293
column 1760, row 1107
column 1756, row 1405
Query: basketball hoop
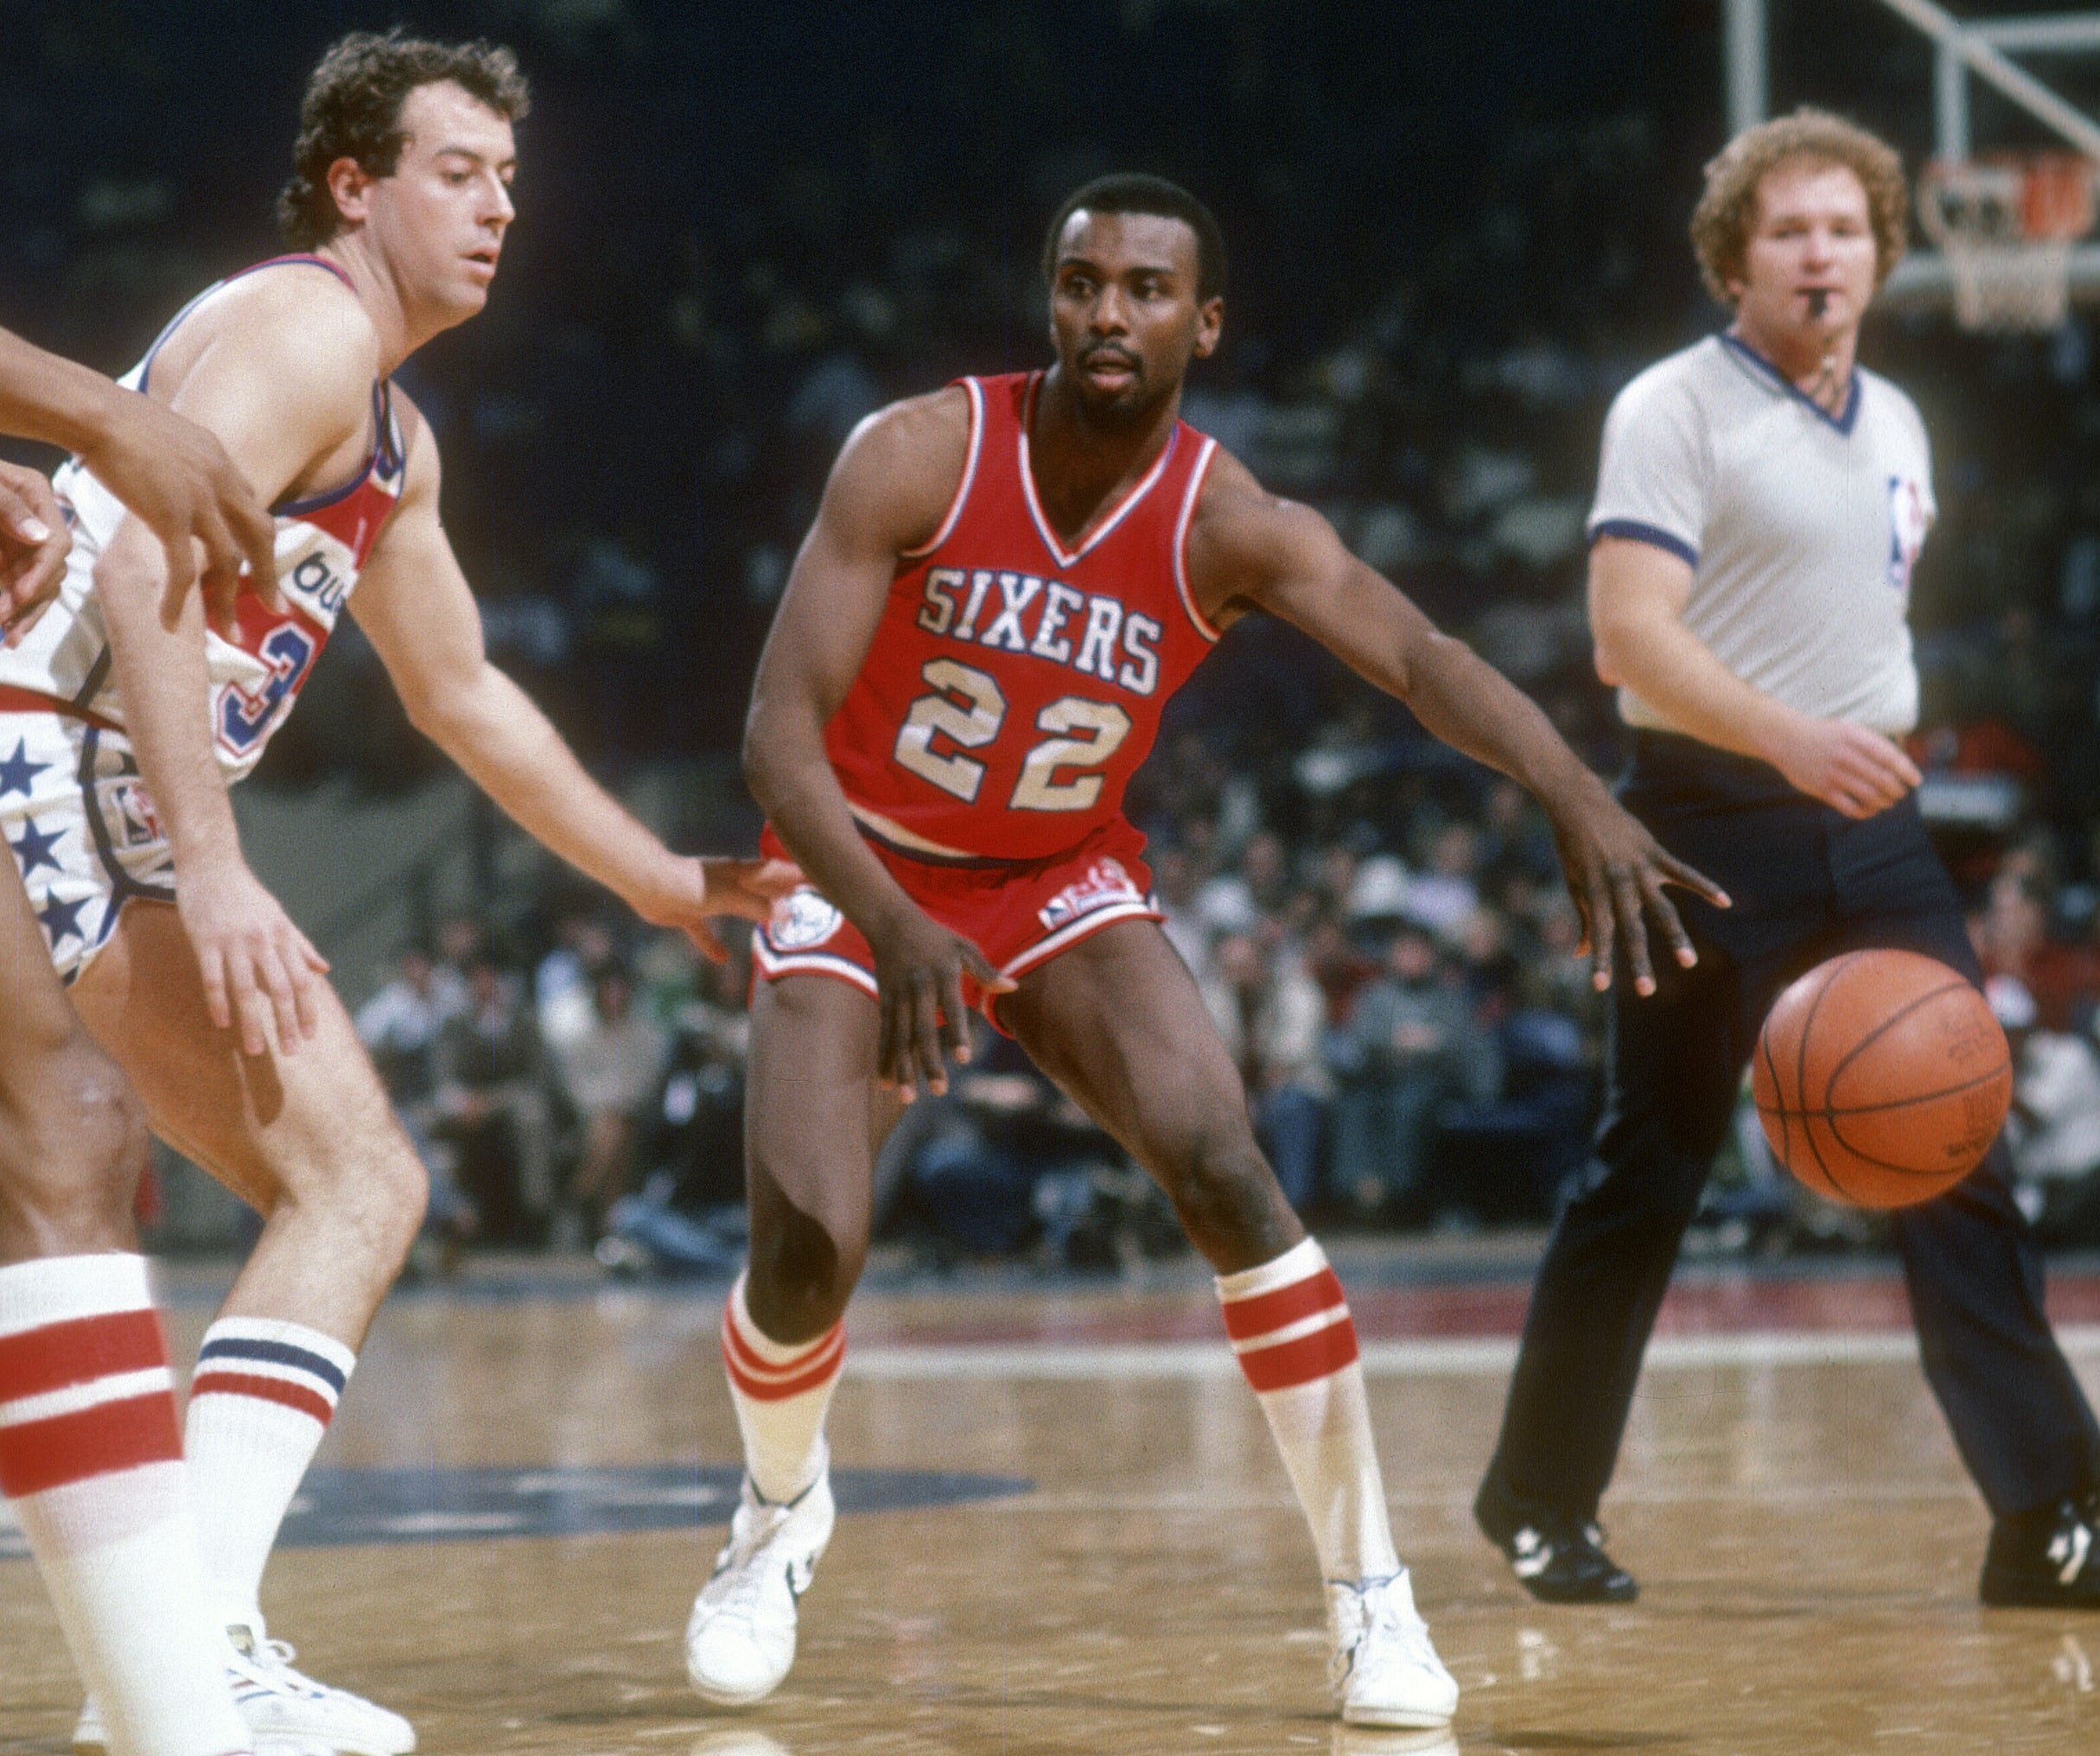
column 2007, row 226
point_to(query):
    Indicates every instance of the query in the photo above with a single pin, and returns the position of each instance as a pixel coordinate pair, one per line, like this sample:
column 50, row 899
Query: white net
column 2006, row 230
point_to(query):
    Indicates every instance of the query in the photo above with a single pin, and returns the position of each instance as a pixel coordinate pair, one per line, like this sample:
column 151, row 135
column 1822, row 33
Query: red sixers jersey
column 1013, row 686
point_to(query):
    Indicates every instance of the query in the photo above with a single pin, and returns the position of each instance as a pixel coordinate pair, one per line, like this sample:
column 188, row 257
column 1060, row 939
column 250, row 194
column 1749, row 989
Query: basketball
column 1882, row 1079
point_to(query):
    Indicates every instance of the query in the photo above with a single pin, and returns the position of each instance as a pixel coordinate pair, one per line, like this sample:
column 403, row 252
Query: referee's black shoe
column 2048, row 1560
column 1558, row 1558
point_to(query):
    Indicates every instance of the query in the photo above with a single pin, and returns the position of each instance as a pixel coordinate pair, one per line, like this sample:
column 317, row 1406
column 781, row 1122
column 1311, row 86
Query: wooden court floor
column 1804, row 1537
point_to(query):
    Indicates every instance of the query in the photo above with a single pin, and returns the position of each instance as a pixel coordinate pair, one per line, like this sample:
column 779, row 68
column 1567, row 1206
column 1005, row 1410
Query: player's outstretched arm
column 415, row 606
column 168, row 472
column 1638, row 593
column 1251, row 551
column 887, row 493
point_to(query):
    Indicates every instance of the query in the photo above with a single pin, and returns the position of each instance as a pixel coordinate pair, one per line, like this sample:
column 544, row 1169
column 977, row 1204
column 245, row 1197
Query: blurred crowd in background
column 1454, row 233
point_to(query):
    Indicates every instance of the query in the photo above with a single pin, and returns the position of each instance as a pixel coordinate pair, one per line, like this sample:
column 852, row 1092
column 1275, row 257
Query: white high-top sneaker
column 740, row 1638
column 288, row 1712
column 1384, row 1671
column 1392, row 1740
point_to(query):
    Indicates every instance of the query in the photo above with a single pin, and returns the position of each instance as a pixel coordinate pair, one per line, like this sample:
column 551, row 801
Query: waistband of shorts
column 16, row 699
column 957, row 862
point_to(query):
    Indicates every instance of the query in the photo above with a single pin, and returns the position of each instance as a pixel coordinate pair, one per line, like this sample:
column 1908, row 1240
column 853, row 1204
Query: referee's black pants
column 1807, row 883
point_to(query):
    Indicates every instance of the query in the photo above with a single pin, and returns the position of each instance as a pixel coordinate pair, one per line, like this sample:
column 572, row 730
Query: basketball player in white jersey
column 1761, row 501
column 127, row 732
column 90, row 1445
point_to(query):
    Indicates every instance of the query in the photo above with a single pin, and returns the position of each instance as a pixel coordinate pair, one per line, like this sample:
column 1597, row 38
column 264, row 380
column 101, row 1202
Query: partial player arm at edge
column 415, row 606
column 886, row 494
column 1249, row 549
column 168, row 472
column 1637, row 592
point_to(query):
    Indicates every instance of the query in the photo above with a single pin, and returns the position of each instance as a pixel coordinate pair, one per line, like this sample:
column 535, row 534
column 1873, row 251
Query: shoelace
column 1382, row 1613
column 744, row 1581
column 271, row 1665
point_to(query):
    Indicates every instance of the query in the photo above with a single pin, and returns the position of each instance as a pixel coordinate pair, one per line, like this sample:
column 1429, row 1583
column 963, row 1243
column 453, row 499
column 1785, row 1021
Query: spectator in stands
column 1174, row 879
column 1409, row 1047
column 562, row 984
column 610, row 1073
column 399, row 1026
column 1269, row 1011
column 491, row 1104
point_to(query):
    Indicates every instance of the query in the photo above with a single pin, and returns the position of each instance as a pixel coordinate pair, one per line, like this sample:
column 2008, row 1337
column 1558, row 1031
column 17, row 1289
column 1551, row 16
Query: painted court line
column 1460, row 1356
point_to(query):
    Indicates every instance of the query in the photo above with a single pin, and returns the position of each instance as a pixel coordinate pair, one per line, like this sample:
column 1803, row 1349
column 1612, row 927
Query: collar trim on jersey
column 298, row 257
column 1180, row 543
column 1765, row 369
column 1101, row 528
column 969, row 474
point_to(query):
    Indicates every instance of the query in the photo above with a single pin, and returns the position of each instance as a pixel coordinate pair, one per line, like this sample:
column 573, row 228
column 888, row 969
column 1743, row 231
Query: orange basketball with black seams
column 1882, row 1079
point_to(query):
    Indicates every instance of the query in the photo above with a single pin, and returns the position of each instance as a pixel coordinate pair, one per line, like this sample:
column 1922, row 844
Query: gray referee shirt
column 1800, row 527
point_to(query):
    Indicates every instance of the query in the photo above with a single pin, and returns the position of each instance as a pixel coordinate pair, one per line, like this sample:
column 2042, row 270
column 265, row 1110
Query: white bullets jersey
column 322, row 545
column 1800, row 527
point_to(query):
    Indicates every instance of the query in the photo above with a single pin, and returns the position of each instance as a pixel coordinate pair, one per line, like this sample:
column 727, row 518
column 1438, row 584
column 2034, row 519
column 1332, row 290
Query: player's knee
column 800, row 1276
column 75, row 1152
column 1216, row 1176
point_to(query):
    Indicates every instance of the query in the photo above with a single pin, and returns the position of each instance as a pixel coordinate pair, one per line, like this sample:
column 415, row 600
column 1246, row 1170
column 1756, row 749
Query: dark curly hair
column 352, row 110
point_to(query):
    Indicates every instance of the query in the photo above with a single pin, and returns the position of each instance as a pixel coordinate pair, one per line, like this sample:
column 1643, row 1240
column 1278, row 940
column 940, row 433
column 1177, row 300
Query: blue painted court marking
column 340, row 1507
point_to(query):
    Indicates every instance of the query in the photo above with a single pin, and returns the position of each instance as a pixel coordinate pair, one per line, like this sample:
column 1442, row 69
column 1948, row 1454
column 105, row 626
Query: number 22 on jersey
column 967, row 708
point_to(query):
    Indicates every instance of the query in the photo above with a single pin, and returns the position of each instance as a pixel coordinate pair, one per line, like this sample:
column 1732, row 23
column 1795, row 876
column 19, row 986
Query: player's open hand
column 1848, row 767
column 1616, row 871
column 33, row 547
column 919, row 969
column 259, row 971
column 177, row 480
column 746, row 888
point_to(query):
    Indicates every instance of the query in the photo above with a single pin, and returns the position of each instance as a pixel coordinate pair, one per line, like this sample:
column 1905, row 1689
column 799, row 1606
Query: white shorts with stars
column 83, row 830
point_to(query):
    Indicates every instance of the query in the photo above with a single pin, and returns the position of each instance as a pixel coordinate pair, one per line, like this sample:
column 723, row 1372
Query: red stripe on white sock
column 1310, row 1358
column 36, row 1456
column 1289, row 1334
column 35, row 1362
column 1256, row 1315
column 769, row 1381
column 210, row 1382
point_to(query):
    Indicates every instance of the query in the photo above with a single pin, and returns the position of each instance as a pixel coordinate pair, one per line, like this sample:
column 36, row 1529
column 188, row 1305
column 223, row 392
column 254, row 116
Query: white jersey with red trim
column 323, row 543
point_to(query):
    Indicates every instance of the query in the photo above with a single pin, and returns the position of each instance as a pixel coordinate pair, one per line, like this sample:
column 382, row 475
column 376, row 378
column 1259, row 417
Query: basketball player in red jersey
column 125, row 733
column 1005, row 583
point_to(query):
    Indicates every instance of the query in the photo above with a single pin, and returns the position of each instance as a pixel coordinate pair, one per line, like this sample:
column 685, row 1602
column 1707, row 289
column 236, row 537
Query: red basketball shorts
column 1018, row 913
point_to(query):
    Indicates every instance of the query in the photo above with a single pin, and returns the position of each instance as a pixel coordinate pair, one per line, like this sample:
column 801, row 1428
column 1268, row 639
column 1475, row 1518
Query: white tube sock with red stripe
column 263, row 1396
column 782, row 1394
column 91, row 1457
column 1297, row 1342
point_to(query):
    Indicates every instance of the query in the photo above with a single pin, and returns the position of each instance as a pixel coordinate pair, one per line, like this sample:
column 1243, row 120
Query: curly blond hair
column 1720, row 224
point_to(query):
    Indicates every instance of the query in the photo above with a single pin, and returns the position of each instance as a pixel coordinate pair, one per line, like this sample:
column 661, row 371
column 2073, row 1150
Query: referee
column 1760, row 505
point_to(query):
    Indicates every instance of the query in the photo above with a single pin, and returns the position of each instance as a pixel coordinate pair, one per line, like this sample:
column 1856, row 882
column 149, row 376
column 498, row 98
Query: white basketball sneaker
column 1385, row 1671
column 289, row 1713
column 740, row 1638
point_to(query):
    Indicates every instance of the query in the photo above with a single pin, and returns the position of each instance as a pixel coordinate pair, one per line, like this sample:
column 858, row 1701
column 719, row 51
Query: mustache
column 1108, row 353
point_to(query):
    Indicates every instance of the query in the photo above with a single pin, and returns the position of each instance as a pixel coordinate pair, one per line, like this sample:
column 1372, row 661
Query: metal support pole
column 1749, row 98
column 1950, row 113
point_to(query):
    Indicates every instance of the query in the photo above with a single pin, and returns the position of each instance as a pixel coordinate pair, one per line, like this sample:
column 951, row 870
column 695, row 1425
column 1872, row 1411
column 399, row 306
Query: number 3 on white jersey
column 977, row 725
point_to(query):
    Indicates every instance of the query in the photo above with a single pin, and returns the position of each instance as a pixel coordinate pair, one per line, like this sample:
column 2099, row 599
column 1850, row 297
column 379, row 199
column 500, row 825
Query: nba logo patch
column 132, row 808
column 1106, row 883
column 803, row 920
column 1908, row 522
